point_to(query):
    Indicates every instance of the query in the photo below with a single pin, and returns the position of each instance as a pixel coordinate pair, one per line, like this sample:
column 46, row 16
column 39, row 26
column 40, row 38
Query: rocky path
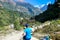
column 17, row 35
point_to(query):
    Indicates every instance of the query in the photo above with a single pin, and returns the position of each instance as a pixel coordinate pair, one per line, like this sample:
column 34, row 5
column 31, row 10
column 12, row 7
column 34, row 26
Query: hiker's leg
column 24, row 38
column 28, row 39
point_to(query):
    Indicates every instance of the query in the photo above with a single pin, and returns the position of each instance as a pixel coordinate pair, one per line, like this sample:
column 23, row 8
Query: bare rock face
column 4, row 0
column 0, row 5
column 20, row 6
column 10, row 1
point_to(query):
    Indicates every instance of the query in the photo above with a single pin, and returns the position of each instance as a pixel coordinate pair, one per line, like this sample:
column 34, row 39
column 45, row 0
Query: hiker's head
column 26, row 25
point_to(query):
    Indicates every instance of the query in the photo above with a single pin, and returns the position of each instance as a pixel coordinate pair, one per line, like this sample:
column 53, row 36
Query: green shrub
column 17, row 25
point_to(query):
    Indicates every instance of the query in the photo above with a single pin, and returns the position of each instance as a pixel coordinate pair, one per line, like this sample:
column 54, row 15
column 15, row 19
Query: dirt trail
column 17, row 35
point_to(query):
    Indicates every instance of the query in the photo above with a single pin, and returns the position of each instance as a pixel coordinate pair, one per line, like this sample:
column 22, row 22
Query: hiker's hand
column 24, row 34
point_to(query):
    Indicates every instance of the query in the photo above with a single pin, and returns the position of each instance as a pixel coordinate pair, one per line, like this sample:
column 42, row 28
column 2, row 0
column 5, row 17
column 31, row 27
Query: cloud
column 42, row 5
column 36, row 6
column 49, row 3
column 45, row 4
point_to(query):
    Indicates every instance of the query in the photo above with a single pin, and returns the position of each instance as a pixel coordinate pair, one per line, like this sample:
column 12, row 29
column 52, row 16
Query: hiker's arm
column 24, row 33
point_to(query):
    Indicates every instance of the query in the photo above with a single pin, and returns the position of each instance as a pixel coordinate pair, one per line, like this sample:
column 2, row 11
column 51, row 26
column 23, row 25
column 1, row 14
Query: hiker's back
column 28, row 32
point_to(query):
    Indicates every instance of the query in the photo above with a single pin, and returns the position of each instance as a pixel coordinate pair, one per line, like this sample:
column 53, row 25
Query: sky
column 38, row 3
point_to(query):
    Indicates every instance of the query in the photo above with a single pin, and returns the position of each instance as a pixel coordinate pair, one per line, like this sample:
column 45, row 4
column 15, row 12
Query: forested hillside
column 53, row 12
column 8, row 17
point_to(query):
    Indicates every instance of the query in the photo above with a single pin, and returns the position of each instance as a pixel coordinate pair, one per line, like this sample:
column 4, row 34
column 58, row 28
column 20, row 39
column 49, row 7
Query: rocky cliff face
column 20, row 6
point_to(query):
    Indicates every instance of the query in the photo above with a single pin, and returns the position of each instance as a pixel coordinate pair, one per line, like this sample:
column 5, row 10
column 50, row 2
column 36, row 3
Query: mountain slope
column 21, row 7
column 7, row 16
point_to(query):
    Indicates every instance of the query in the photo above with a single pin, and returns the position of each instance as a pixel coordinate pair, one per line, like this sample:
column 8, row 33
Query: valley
column 15, row 14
